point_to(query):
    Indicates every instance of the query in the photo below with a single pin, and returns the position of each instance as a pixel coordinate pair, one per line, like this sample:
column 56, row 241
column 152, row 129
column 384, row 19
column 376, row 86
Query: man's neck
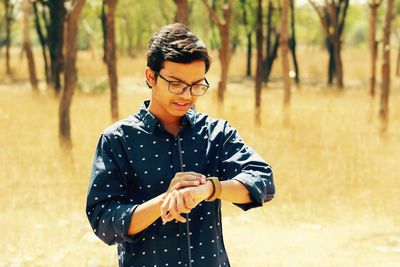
column 171, row 124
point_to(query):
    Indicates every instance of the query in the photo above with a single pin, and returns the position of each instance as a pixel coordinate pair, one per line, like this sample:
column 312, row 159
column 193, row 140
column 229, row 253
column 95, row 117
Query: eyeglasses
column 178, row 87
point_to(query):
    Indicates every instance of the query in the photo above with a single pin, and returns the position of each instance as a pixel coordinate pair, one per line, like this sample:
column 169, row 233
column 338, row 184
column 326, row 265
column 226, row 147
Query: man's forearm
column 235, row 192
column 145, row 214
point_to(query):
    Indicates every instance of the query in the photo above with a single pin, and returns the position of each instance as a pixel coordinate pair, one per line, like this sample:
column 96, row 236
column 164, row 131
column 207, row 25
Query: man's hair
column 176, row 43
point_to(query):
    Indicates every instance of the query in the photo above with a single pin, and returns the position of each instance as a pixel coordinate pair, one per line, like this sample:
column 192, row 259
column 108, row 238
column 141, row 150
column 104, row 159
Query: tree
column 373, row 43
column 249, row 28
column 272, row 40
column 284, row 51
column 49, row 23
column 70, row 73
column 182, row 12
column 8, row 6
column 292, row 42
column 225, row 50
column 385, row 85
column 332, row 16
column 259, row 58
column 26, row 7
column 110, row 54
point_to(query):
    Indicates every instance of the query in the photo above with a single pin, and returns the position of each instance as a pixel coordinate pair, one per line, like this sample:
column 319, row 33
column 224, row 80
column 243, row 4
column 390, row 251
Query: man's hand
column 186, row 179
column 183, row 200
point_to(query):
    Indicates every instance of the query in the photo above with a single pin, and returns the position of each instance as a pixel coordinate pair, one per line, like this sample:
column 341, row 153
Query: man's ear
column 150, row 77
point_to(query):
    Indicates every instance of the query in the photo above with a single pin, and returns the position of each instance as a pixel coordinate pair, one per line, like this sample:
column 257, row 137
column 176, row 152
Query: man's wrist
column 205, row 190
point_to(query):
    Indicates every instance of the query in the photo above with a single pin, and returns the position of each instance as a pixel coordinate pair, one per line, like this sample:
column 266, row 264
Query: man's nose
column 186, row 94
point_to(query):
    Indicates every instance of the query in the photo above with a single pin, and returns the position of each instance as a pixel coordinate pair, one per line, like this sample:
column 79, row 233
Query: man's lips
column 181, row 104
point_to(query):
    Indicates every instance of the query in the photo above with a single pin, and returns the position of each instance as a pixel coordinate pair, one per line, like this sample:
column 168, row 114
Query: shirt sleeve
column 242, row 163
column 110, row 204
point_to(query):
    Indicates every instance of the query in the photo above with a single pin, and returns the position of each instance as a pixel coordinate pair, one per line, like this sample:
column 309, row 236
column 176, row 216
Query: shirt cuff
column 122, row 223
column 250, row 181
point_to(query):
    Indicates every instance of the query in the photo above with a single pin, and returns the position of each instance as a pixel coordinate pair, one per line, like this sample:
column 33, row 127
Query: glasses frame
column 207, row 85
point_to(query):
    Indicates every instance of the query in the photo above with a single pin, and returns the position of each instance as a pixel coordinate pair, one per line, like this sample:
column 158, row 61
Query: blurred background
column 313, row 86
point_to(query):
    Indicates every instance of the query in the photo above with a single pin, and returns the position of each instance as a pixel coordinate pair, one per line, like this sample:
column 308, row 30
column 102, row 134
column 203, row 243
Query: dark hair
column 176, row 43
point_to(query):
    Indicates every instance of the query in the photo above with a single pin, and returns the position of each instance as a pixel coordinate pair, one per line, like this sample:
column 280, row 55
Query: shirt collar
column 150, row 121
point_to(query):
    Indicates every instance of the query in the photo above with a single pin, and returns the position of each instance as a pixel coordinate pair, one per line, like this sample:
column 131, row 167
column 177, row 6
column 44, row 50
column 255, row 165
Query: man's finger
column 181, row 206
column 164, row 208
column 173, row 210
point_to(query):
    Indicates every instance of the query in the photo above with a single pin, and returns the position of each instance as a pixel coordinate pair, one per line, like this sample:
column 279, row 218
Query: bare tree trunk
column 111, row 56
column 70, row 74
column 373, row 44
column 182, row 11
column 398, row 62
column 292, row 42
column 284, row 51
column 249, row 54
column 259, row 69
column 385, row 85
column 42, row 41
column 249, row 32
column 225, row 50
column 8, row 11
column 55, row 41
column 26, row 7
column 333, row 10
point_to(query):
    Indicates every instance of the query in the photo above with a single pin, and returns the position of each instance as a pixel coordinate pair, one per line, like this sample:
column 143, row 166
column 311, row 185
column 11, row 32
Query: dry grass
column 337, row 179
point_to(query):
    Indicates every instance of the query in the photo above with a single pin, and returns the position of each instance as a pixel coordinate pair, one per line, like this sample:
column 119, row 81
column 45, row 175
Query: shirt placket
column 180, row 167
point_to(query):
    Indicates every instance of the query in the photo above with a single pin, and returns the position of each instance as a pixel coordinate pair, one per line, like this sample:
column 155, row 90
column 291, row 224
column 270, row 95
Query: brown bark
column 332, row 9
column 332, row 16
column 284, row 51
column 373, row 44
column 398, row 62
column 259, row 69
column 225, row 51
column 26, row 7
column 8, row 15
column 111, row 56
column 55, row 41
column 385, row 85
column 182, row 11
column 70, row 73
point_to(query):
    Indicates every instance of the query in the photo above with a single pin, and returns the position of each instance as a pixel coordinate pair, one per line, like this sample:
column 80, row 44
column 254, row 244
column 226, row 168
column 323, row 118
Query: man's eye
column 176, row 85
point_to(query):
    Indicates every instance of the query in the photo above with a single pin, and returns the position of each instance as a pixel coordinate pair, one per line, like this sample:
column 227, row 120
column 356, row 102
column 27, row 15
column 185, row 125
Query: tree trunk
column 259, row 69
column 70, row 74
column 336, row 44
column 249, row 54
column 42, row 41
column 249, row 32
column 284, row 51
column 26, row 7
column 55, row 42
column 111, row 56
column 182, row 11
column 385, row 85
column 331, row 63
column 225, row 51
column 292, row 42
column 373, row 45
column 224, row 55
column 8, row 14
column 398, row 62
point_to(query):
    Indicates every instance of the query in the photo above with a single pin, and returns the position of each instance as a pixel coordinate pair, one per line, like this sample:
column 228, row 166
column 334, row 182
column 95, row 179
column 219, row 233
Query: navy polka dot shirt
column 135, row 160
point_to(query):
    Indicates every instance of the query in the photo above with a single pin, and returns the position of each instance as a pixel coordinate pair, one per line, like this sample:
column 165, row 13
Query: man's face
column 166, row 104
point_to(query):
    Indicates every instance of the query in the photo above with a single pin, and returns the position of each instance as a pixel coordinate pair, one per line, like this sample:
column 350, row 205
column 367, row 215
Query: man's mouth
column 181, row 105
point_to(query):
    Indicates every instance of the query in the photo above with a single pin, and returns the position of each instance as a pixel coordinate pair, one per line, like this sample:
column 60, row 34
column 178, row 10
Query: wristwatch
column 217, row 189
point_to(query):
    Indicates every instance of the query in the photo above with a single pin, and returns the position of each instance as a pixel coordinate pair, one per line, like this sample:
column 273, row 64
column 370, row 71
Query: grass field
column 337, row 178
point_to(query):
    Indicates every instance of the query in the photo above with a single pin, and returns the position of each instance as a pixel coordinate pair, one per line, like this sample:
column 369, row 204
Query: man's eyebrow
column 173, row 77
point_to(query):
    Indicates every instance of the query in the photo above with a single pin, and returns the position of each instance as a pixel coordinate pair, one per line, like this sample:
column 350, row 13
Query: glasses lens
column 176, row 87
column 199, row 89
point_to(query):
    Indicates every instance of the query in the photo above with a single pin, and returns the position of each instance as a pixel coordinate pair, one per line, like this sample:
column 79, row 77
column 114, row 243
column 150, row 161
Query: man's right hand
column 186, row 179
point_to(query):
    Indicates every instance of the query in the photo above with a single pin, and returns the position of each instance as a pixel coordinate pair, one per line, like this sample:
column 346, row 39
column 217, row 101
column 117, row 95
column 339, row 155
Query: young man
column 159, row 175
